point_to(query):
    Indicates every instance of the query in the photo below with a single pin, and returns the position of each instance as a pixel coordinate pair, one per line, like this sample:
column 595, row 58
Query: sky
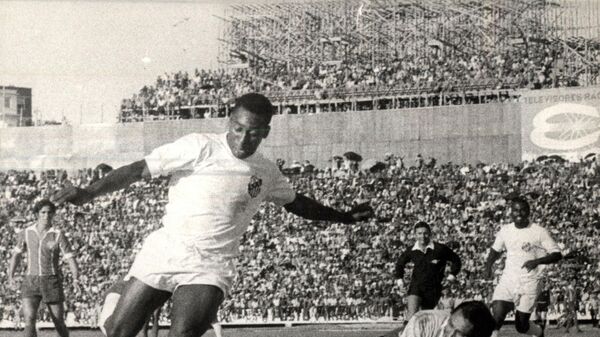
column 81, row 58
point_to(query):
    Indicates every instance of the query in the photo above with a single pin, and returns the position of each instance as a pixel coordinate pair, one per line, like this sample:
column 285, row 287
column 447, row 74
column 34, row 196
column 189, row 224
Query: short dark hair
column 478, row 314
column 43, row 203
column 422, row 224
column 521, row 200
column 255, row 103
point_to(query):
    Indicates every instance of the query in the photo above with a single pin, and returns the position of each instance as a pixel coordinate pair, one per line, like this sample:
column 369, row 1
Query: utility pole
column 3, row 103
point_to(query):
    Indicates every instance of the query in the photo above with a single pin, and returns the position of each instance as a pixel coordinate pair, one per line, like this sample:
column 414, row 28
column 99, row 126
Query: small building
column 15, row 106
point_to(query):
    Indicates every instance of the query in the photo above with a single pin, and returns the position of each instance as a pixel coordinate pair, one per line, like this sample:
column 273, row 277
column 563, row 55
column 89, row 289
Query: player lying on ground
column 468, row 319
column 218, row 181
column 528, row 246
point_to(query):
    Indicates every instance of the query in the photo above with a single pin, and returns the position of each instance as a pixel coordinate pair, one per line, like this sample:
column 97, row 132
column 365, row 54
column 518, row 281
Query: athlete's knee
column 188, row 330
column 113, row 329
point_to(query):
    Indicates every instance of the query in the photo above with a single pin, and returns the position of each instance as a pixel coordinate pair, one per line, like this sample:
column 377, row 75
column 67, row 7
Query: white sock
column 534, row 330
column 218, row 330
column 495, row 333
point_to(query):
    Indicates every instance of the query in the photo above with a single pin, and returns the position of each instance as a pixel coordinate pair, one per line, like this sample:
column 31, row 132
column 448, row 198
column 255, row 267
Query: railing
column 340, row 99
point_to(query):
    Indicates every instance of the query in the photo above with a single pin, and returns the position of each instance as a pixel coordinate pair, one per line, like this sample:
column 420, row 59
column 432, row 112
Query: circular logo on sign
column 566, row 126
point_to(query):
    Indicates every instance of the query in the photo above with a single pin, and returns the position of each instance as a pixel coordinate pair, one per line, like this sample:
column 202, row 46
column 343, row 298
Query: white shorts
column 522, row 293
column 167, row 261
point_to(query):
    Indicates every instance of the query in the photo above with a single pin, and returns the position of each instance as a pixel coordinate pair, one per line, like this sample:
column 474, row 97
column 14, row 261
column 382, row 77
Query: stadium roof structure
column 352, row 31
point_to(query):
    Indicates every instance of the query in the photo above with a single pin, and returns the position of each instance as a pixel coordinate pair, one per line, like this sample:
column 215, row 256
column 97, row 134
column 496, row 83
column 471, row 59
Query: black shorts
column 541, row 307
column 49, row 288
column 430, row 296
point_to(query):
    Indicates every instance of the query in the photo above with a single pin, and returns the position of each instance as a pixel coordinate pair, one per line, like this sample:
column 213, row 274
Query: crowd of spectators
column 205, row 93
column 295, row 269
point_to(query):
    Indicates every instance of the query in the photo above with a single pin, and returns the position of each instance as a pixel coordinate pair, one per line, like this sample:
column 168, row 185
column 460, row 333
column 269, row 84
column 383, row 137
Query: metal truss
column 378, row 31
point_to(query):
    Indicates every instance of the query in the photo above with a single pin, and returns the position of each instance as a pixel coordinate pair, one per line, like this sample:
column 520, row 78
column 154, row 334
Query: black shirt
column 544, row 297
column 428, row 267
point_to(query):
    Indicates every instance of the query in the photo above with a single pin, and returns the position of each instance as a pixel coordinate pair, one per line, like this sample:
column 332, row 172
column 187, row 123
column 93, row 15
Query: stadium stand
column 352, row 55
column 296, row 270
column 344, row 52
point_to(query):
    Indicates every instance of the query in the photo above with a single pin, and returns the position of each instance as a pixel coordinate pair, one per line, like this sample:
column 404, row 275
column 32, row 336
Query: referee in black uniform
column 429, row 259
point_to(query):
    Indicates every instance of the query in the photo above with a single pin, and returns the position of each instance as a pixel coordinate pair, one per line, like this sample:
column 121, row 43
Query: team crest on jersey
column 529, row 247
column 526, row 247
column 254, row 186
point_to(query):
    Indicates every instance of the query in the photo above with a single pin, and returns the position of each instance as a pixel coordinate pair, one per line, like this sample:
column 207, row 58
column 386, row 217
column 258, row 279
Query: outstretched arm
column 548, row 259
column 313, row 210
column 115, row 180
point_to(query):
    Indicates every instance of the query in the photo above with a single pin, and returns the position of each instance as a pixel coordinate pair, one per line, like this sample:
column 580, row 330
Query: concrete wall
column 467, row 133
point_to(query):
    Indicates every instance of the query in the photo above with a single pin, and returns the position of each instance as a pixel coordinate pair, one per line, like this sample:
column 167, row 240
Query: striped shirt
column 43, row 250
column 427, row 323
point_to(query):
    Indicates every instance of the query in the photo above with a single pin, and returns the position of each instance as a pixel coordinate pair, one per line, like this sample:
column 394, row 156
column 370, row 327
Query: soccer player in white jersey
column 528, row 246
column 217, row 183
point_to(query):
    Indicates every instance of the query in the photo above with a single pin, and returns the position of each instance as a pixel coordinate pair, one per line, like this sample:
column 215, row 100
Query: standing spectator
column 430, row 259
column 17, row 311
column 43, row 281
column 572, row 307
column 594, row 306
column 542, row 304
column 447, row 302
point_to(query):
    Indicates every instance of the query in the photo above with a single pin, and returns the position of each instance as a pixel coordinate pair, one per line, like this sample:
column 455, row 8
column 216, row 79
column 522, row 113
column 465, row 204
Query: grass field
column 337, row 330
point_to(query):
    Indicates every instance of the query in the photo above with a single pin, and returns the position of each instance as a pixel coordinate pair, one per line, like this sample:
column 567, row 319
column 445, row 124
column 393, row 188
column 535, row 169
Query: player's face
column 458, row 326
column 246, row 131
column 423, row 236
column 519, row 214
column 45, row 215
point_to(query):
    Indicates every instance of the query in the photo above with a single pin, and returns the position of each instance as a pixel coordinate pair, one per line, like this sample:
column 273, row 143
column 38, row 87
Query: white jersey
column 212, row 194
column 522, row 245
column 427, row 323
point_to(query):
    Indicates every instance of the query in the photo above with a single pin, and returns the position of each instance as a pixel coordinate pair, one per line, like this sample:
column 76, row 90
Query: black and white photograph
column 292, row 168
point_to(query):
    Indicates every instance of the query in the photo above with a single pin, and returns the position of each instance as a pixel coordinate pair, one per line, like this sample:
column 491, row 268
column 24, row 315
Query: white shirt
column 427, row 323
column 417, row 246
column 522, row 245
column 212, row 194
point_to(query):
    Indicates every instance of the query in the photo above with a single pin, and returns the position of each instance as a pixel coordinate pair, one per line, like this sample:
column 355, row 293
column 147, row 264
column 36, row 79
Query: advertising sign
column 560, row 121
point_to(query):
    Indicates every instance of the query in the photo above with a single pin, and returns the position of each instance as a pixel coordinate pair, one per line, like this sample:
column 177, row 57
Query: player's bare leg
column 57, row 313
column 154, row 318
column 194, row 308
column 543, row 317
column 524, row 326
column 137, row 303
column 30, row 308
column 413, row 304
column 499, row 310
